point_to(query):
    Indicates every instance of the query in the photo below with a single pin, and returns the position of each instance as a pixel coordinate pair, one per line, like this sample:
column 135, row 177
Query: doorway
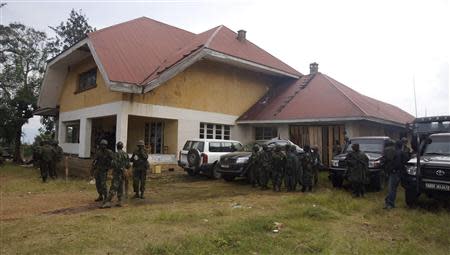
column 154, row 137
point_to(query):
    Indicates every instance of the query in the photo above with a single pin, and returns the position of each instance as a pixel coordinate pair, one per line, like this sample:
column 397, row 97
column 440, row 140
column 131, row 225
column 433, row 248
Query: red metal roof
column 319, row 96
column 139, row 50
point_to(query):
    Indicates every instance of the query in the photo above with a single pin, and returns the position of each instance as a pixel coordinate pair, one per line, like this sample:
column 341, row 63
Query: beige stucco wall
column 211, row 87
column 70, row 100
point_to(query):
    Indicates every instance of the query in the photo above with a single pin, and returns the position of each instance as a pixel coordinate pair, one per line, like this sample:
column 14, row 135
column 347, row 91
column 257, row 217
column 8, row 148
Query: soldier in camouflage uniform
column 120, row 163
column 316, row 163
column 308, row 171
column 357, row 168
column 299, row 170
column 140, row 167
column 58, row 156
column 388, row 157
column 253, row 167
column 290, row 176
column 101, row 164
column 265, row 162
column 278, row 165
column 46, row 157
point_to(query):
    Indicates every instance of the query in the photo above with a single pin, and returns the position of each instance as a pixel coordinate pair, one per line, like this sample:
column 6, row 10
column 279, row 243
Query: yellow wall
column 70, row 100
column 209, row 86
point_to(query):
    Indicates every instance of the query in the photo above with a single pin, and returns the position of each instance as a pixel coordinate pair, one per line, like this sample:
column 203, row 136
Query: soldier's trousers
column 139, row 177
column 263, row 176
column 358, row 188
column 277, row 180
column 52, row 171
column 44, row 166
column 290, row 182
column 253, row 175
column 100, row 182
column 116, row 186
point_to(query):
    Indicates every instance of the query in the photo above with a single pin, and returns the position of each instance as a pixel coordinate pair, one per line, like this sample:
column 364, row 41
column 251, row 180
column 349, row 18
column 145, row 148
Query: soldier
column 388, row 157
column 398, row 168
column 265, row 161
column 58, row 156
column 316, row 162
column 357, row 167
column 278, row 165
column 140, row 167
column 120, row 163
column 101, row 165
column 46, row 158
column 299, row 170
column 308, row 172
column 405, row 147
column 253, row 166
column 337, row 148
column 291, row 169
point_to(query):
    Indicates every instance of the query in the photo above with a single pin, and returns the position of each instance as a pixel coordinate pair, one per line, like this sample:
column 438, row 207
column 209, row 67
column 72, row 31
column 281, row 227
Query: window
column 73, row 132
column 194, row 145
column 214, row 131
column 224, row 147
column 87, row 80
column 265, row 133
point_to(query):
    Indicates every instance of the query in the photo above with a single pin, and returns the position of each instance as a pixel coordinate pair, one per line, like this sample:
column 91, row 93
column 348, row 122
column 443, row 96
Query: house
column 146, row 80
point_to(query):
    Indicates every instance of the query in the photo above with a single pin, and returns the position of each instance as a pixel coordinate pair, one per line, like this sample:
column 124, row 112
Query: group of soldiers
column 47, row 155
column 288, row 166
column 120, row 164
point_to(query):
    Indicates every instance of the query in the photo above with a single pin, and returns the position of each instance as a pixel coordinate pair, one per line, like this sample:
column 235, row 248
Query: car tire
column 193, row 158
column 337, row 181
column 215, row 173
column 378, row 181
column 228, row 178
column 411, row 197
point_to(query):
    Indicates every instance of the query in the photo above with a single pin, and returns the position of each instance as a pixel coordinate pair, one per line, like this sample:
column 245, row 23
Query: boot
column 142, row 195
column 303, row 189
column 106, row 204
column 136, row 195
column 99, row 198
column 119, row 203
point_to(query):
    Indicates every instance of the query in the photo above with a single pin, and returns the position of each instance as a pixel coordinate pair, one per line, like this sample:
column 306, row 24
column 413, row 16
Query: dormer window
column 87, row 80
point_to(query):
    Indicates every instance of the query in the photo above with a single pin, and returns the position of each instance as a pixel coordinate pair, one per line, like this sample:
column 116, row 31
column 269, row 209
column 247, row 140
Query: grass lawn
column 185, row 215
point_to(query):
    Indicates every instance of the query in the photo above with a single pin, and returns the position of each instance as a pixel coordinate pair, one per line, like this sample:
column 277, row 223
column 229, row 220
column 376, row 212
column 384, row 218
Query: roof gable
column 318, row 96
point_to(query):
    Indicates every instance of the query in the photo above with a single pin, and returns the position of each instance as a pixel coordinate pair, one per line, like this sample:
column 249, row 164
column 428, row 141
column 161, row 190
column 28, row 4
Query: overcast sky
column 378, row 48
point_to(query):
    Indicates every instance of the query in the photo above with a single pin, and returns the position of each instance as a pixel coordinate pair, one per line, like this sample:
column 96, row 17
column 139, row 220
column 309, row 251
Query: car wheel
column 411, row 197
column 337, row 181
column 228, row 178
column 215, row 172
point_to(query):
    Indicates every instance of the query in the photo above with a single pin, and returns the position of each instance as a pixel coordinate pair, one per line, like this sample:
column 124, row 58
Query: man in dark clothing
column 58, row 156
column 337, row 148
column 290, row 175
column 265, row 161
column 140, row 167
column 398, row 167
column 357, row 168
column 388, row 156
column 119, row 164
column 101, row 164
column 308, row 172
column 316, row 163
column 253, row 166
column 278, row 164
column 46, row 158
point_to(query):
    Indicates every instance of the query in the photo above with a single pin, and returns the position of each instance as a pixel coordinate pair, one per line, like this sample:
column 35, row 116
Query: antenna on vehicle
column 415, row 98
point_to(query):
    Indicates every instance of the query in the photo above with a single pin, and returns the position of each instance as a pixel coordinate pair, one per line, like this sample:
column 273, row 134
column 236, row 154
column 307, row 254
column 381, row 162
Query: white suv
column 202, row 155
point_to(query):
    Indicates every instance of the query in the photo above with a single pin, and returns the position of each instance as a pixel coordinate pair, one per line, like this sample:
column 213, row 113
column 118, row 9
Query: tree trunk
column 17, row 145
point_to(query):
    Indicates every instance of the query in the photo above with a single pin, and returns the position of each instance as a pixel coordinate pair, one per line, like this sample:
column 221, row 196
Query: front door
column 154, row 137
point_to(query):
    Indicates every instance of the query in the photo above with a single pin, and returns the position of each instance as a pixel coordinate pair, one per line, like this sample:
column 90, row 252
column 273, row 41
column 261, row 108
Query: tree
column 73, row 30
column 23, row 56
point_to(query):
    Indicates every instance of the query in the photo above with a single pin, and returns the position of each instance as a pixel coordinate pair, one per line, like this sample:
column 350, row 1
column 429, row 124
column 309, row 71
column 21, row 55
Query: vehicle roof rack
column 430, row 125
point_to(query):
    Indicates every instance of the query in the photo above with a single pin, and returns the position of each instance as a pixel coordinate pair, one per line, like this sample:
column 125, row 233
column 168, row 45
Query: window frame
column 74, row 136
column 214, row 131
column 263, row 133
column 86, row 73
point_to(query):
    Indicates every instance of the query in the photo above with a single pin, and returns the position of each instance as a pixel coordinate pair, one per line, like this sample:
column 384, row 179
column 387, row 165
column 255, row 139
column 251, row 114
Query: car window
column 194, row 145
column 438, row 146
column 366, row 145
column 238, row 147
column 215, row 147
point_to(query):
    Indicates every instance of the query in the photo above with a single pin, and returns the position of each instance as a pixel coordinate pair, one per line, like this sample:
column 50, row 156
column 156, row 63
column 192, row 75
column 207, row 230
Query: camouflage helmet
column 103, row 142
column 140, row 143
column 265, row 147
column 119, row 145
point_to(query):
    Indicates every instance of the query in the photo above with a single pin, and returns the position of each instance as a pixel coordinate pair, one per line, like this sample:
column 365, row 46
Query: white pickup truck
column 203, row 155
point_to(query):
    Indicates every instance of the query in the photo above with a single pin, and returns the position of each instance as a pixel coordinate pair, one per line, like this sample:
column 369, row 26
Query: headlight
column 411, row 169
column 374, row 164
column 241, row 160
column 335, row 162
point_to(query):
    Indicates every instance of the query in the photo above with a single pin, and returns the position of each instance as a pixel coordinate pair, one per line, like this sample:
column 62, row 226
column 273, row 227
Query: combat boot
column 119, row 203
column 99, row 198
column 106, row 204
column 136, row 195
column 142, row 195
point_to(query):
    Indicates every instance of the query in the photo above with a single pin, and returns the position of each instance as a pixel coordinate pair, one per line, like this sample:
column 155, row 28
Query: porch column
column 84, row 148
column 122, row 129
column 61, row 132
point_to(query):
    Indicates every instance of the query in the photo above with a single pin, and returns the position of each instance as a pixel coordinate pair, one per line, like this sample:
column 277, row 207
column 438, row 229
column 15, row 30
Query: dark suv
column 373, row 146
column 234, row 164
column 429, row 172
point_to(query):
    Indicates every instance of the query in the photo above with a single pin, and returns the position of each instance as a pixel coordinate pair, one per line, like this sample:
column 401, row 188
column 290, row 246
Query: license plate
column 225, row 166
column 437, row 186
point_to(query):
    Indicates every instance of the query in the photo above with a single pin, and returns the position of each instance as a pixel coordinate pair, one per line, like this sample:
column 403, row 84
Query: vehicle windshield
column 438, row 146
column 365, row 145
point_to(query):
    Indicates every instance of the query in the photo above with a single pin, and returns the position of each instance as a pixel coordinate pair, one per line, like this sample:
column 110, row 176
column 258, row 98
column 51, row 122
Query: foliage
column 23, row 56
